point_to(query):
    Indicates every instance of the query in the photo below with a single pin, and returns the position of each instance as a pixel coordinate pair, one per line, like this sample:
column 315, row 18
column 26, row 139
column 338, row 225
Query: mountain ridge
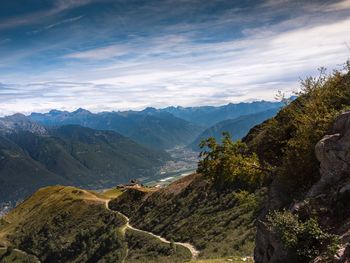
column 154, row 129
column 207, row 116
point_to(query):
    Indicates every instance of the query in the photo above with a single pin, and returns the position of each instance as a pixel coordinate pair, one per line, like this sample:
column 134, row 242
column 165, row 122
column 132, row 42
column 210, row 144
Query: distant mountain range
column 150, row 127
column 237, row 127
column 32, row 156
column 207, row 116
column 157, row 128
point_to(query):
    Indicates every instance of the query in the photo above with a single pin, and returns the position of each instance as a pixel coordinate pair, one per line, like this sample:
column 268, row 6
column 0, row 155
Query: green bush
column 247, row 201
column 307, row 239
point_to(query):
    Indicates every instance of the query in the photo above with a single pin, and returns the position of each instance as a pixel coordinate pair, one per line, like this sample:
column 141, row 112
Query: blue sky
column 131, row 54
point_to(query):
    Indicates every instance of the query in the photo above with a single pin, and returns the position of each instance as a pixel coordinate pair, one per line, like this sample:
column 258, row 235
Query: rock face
column 18, row 122
column 330, row 196
column 333, row 153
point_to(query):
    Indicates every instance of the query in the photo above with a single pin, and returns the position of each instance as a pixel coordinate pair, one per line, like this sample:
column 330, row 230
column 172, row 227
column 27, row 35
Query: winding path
column 189, row 246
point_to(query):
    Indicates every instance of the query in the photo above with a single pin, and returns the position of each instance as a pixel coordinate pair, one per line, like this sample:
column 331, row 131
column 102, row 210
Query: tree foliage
column 231, row 163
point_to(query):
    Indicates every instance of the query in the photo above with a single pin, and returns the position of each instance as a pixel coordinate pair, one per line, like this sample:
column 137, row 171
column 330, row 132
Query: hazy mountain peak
column 150, row 110
column 16, row 117
column 81, row 111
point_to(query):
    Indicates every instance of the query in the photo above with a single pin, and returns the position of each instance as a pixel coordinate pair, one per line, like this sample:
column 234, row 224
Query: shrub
column 246, row 200
column 307, row 239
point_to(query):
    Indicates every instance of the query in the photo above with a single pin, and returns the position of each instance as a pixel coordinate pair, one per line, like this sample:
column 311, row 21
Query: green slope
column 67, row 224
column 192, row 210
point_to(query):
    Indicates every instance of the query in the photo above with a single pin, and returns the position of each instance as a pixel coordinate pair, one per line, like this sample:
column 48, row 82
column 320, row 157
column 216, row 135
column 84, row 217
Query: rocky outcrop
column 333, row 153
column 19, row 122
column 330, row 197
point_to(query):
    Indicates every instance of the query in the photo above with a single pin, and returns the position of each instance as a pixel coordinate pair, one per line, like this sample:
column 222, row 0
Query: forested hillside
column 218, row 222
column 69, row 155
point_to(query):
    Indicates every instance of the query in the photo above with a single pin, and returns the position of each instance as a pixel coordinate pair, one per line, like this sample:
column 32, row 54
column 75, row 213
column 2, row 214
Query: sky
column 105, row 55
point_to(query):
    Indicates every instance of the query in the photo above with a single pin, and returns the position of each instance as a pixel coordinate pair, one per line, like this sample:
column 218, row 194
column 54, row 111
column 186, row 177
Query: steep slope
column 152, row 128
column 70, row 155
column 207, row 116
column 307, row 208
column 66, row 224
column 238, row 127
column 218, row 222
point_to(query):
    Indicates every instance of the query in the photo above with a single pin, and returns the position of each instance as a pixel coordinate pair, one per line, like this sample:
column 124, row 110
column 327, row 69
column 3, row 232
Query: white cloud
column 192, row 73
column 180, row 68
column 62, row 22
column 342, row 5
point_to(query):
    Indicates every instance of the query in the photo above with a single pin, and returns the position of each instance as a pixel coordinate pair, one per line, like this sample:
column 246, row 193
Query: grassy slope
column 191, row 210
column 147, row 249
column 66, row 224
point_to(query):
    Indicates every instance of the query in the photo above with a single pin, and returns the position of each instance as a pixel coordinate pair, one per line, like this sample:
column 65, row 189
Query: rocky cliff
column 328, row 200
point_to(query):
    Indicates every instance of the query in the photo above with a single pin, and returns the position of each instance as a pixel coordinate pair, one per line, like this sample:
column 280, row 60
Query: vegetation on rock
column 306, row 239
column 287, row 143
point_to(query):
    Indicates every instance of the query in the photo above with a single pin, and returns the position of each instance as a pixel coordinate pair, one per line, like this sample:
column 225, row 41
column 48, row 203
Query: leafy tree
column 231, row 163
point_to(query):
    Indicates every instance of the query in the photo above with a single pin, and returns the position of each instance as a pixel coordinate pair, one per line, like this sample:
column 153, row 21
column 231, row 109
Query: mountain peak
column 81, row 111
column 17, row 117
column 150, row 110
column 55, row 112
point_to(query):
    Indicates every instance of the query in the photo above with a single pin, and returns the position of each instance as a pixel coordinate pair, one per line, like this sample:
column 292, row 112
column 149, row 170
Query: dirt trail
column 189, row 246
